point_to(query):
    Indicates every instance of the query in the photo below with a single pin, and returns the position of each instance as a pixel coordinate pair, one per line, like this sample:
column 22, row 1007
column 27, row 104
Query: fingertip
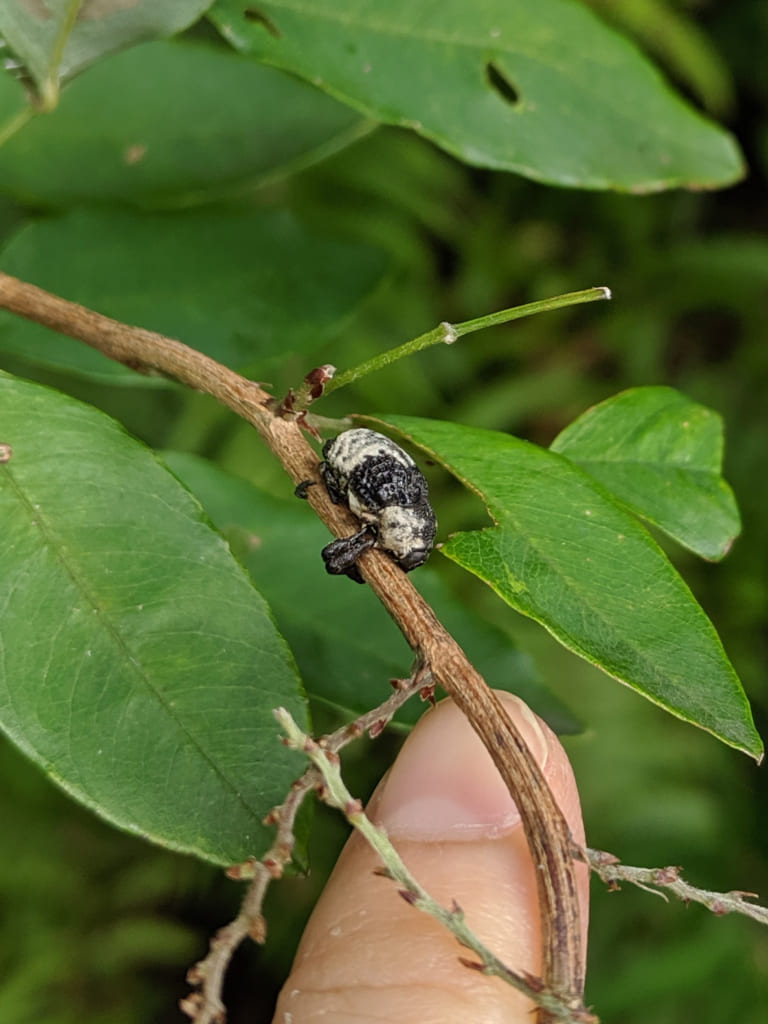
column 366, row 955
column 444, row 784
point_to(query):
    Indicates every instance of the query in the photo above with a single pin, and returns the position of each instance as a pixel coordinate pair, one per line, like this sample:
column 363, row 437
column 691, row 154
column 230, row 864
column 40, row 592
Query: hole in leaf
column 257, row 17
column 501, row 84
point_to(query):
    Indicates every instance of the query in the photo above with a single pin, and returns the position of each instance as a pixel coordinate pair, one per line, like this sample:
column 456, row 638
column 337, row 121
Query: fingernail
column 444, row 784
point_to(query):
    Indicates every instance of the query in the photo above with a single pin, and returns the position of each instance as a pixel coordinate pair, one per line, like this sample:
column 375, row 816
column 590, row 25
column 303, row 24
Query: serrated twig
column 566, row 1009
column 206, row 1006
column 669, row 879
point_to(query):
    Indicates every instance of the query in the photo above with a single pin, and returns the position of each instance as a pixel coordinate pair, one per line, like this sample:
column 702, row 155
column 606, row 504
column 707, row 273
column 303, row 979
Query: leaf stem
column 16, row 123
column 49, row 88
column 446, row 333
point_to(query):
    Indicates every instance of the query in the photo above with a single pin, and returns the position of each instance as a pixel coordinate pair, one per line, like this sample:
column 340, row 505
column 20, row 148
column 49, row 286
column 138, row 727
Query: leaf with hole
column 139, row 665
column 564, row 552
column 539, row 87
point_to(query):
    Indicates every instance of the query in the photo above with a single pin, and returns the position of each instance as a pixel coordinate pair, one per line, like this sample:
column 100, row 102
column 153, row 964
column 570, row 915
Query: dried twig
column 545, row 827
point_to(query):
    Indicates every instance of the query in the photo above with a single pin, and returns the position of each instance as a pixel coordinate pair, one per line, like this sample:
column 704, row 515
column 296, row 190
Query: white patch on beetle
column 381, row 485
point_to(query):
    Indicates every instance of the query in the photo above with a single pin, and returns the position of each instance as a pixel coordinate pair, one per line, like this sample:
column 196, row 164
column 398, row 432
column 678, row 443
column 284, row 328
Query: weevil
column 381, row 485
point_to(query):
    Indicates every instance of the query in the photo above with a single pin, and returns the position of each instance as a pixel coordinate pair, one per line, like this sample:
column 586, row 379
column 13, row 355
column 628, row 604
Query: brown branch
column 545, row 827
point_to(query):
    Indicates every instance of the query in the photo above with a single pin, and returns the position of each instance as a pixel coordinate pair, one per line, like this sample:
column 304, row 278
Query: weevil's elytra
column 384, row 488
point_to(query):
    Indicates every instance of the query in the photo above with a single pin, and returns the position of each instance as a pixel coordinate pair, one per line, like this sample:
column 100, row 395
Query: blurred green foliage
column 97, row 926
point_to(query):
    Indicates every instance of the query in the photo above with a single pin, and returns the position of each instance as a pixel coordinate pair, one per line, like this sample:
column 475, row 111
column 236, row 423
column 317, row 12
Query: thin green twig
column 446, row 333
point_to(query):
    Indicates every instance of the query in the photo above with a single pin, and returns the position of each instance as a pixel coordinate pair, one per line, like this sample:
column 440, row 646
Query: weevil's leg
column 331, row 484
column 340, row 555
column 301, row 489
column 354, row 574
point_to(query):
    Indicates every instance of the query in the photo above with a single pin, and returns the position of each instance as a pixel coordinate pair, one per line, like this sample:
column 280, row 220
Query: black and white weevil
column 384, row 488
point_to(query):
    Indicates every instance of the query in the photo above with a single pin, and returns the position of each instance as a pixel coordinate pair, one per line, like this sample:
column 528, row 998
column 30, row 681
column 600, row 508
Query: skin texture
column 366, row 956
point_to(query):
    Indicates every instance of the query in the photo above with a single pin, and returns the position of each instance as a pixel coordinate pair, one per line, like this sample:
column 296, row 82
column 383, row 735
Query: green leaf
column 15, row 111
column 346, row 645
column 661, row 454
column 169, row 123
column 680, row 42
column 563, row 553
column 241, row 286
column 539, row 87
column 57, row 38
column 139, row 666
